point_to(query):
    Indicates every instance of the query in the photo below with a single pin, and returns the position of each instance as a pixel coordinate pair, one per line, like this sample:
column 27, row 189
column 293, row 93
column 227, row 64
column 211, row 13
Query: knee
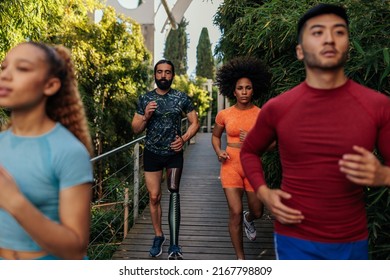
column 235, row 217
column 154, row 199
column 173, row 189
column 257, row 213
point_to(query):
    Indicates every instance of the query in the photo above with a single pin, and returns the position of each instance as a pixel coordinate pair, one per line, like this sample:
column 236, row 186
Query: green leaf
column 386, row 56
column 358, row 47
column 385, row 74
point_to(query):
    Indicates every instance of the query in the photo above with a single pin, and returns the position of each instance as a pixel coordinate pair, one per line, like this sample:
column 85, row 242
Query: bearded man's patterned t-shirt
column 165, row 122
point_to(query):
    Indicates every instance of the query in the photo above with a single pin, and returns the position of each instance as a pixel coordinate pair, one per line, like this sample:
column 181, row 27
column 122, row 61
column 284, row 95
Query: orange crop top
column 233, row 119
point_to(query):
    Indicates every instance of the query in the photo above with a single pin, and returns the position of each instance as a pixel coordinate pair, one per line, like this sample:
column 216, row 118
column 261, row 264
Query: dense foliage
column 113, row 64
column 22, row 19
column 114, row 68
column 267, row 29
column 195, row 89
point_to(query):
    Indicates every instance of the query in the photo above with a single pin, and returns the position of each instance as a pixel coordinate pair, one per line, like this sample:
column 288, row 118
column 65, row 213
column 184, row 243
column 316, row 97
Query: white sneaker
column 250, row 229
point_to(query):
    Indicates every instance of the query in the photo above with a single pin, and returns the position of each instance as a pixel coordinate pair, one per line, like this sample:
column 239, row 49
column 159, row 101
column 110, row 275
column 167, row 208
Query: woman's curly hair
column 66, row 105
column 243, row 67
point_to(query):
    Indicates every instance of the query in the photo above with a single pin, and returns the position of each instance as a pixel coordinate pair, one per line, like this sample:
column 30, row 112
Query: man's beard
column 312, row 61
column 163, row 83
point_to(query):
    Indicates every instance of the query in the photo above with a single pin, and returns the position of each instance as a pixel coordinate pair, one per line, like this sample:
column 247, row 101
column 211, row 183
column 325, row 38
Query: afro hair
column 243, row 67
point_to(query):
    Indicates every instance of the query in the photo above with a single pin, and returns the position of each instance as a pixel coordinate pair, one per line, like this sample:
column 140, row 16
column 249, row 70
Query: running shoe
column 156, row 249
column 175, row 253
column 250, row 229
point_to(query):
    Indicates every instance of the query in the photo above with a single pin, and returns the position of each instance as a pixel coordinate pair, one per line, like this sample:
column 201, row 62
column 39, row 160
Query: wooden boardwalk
column 204, row 231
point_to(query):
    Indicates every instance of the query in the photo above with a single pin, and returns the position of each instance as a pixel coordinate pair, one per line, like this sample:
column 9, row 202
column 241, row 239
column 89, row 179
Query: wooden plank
column 204, row 231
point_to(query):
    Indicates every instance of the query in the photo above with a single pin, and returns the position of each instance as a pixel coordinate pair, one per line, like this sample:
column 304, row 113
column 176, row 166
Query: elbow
column 135, row 129
column 197, row 124
column 77, row 256
column 72, row 254
column 77, row 253
column 80, row 251
column 194, row 127
column 75, row 248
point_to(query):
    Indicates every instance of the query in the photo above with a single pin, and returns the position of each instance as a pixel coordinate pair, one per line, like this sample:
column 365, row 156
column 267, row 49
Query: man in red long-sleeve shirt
column 326, row 129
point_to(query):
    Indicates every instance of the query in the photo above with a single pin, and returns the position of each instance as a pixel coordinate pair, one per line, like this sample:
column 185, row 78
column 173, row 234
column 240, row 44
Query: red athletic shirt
column 314, row 128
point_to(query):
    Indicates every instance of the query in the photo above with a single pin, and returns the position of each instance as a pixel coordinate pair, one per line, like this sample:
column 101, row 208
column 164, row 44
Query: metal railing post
column 126, row 214
column 136, row 182
column 210, row 90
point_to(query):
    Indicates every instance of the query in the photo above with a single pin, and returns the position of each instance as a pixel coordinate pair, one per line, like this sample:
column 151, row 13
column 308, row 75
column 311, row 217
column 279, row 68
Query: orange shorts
column 232, row 174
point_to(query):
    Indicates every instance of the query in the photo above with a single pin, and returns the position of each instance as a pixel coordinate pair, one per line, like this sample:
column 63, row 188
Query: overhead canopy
column 176, row 14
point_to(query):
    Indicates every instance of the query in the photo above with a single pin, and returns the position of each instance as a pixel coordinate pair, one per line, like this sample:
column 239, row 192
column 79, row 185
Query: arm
column 243, row 134
column 68, row 239
column 216, row 142
column 192, row 129
column 364, row 168
column 140, row 121
column 257, row 141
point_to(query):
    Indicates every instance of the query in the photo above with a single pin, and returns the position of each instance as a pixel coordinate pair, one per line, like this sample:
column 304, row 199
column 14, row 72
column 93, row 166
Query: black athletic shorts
column 154, row 162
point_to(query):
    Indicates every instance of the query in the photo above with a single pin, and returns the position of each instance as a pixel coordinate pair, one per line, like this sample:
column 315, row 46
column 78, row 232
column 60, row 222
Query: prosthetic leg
column 173, row 180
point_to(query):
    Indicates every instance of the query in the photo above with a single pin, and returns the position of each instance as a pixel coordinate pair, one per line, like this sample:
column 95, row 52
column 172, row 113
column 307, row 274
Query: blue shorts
column 291, row 248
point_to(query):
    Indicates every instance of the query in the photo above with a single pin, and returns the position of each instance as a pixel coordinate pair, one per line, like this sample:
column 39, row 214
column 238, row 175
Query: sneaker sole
column 176, row 257
column 247, row 232
column 248, row 236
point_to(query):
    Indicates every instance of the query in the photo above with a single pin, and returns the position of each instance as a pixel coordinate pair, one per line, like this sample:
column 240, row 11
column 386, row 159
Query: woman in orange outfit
column 241, row 80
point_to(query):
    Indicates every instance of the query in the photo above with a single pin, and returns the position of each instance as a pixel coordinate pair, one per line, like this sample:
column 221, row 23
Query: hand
column 178, row 144
column 364, row 168
column 8, row 189
column 272, row 199
column 149, row 110
column 222, row 156
column 243, row 134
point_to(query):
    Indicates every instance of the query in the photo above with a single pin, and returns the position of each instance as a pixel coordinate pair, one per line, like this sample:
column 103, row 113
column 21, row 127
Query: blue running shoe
column 156, row 249
column 174, row 253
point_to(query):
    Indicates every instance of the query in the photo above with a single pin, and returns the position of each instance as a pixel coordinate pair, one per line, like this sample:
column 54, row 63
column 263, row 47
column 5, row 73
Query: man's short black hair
column 164, row 61
column 321, row 9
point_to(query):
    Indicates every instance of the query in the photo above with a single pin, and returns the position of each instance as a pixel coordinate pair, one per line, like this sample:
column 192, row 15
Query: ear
column 52, row 86
column 299, row 52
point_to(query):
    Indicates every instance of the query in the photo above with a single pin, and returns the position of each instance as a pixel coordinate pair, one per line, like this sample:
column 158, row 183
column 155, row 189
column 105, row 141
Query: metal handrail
column 121, row 148
column 116, row 150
